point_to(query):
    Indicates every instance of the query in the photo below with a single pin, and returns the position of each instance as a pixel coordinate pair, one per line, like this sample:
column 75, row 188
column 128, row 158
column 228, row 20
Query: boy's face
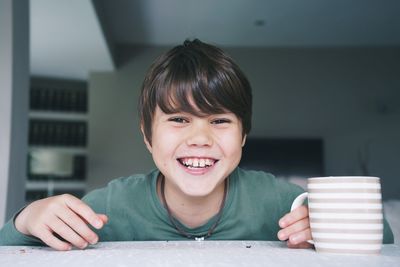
column 196, row 154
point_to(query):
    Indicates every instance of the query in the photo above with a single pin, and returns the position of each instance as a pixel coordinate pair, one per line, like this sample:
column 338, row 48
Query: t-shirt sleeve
column 287, row 193
column 10, row 236
column 388, row 237
column 97, row 200
column 278, row 202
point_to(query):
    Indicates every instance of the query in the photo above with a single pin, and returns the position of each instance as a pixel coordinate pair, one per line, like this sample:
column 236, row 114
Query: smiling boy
column 195, row 111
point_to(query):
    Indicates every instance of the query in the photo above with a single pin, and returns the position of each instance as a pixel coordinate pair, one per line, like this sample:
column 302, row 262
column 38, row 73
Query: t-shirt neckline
column 202, row 229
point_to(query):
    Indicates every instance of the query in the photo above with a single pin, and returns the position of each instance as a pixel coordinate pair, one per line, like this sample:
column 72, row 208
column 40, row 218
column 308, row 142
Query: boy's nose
column 200, row 135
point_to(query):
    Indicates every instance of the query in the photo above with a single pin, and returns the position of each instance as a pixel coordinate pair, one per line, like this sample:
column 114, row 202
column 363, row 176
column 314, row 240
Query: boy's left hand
column 296, row 228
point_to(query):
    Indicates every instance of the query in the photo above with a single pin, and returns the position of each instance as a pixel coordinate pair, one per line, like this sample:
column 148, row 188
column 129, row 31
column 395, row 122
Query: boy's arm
column 10, row 236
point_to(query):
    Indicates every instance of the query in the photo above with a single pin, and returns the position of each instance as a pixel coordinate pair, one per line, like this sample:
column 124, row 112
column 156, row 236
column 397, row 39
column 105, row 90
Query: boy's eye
column 178, row 120
column 220, row 121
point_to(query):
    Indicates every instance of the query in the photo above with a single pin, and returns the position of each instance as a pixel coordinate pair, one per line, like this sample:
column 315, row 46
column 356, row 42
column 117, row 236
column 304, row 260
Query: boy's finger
column 64, row 231
column 78, row 225
column 301, row 245
column 299, row 226
column 49, row 239
column 84, row 211
column 300, row 237
column 103, row 217
column 294, row 216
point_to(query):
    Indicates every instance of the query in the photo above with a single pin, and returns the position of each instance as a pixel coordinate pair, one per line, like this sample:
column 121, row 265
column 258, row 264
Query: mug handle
column 299, row 200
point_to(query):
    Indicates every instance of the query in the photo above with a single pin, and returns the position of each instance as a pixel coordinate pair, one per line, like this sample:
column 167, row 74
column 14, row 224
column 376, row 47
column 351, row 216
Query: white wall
column 14, row 73
column 115, row 143
column 348, row 97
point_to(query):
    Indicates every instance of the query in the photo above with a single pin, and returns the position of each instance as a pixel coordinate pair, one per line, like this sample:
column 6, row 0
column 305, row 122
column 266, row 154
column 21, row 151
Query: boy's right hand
column 63, row 215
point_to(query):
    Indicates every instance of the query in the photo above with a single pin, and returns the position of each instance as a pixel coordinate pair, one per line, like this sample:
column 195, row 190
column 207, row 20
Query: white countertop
column 190, row 253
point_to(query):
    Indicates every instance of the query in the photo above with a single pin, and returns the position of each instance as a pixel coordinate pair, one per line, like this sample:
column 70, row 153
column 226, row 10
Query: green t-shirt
column 255, row 202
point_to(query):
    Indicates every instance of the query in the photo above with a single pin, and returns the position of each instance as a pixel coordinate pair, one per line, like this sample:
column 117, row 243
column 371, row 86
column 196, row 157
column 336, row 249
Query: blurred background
column 325, row 78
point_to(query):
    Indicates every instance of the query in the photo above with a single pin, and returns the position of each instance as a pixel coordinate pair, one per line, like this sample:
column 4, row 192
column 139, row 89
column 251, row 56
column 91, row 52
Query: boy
column 195, row 112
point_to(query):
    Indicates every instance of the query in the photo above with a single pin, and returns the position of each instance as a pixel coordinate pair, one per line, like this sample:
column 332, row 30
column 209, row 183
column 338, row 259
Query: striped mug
column 345, row 214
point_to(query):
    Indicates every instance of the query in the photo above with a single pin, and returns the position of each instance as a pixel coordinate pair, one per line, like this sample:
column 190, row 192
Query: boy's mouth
column 197, row 163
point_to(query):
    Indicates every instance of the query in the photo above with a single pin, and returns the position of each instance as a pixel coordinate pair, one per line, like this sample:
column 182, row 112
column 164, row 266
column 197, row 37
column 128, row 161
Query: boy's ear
column 244, row 140
column 147, row 143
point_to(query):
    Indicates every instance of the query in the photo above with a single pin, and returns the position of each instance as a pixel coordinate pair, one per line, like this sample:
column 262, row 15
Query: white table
column 190, row 253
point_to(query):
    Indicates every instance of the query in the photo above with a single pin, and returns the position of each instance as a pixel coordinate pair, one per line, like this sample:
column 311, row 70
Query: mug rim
column 344, row 177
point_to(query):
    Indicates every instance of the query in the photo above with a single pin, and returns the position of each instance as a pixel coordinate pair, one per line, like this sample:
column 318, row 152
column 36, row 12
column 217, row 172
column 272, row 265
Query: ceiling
column 66, row 40
column 255, row 22
column 72, row 37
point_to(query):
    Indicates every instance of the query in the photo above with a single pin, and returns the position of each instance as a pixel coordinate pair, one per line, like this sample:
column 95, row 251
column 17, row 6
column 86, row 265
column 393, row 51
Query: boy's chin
column 199, row 190
column 198, row 194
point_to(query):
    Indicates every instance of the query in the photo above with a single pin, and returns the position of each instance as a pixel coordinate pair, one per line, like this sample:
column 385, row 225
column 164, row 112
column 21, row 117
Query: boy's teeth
column 197, row 162
column 202, row 163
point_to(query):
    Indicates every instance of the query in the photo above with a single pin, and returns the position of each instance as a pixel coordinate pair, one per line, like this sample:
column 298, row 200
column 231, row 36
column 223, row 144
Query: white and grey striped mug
column 345, row 214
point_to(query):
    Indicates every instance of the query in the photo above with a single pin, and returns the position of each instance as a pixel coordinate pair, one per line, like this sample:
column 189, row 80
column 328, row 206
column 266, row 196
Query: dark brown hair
column 197, row 73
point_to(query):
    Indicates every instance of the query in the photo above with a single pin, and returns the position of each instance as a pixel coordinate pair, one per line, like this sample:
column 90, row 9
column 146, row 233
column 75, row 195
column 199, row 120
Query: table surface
column 190, row 253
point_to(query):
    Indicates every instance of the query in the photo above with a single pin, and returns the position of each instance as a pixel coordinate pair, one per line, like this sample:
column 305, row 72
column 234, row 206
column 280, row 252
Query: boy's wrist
column 19, row 222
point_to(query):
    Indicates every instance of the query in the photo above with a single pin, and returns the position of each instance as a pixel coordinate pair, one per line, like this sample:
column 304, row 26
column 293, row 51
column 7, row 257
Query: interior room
column 325, row 77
